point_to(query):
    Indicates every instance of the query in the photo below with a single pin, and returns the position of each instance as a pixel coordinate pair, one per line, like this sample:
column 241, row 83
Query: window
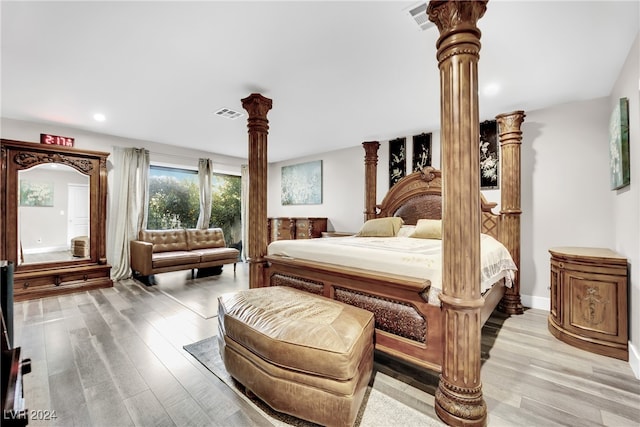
column 174, row 201
column 225, row 206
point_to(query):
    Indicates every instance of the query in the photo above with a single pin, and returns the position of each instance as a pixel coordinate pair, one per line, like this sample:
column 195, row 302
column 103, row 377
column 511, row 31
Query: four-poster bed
column 446, row 337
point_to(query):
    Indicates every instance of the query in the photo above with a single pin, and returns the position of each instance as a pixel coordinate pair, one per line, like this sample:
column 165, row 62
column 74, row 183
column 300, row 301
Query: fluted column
column 370, row 176
column 257, row 106
column 459, row 398
column 510, row 143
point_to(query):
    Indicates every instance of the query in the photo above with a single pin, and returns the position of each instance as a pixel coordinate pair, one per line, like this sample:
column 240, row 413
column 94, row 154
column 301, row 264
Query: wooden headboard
column 419, row 196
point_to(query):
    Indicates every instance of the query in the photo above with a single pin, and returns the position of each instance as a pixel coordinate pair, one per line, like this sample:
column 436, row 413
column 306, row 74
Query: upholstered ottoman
column 302, row 354
column 80, row 246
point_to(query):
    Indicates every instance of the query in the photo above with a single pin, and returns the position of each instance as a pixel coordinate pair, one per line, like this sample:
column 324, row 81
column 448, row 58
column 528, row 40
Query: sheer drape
column 128, row 209
column 205, row 177
column 244, row 210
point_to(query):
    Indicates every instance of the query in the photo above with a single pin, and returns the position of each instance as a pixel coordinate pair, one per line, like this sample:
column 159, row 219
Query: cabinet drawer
column 30, row 283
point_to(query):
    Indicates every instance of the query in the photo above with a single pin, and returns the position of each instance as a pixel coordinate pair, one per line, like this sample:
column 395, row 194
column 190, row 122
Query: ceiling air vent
column 228, row 114
column 418, row 13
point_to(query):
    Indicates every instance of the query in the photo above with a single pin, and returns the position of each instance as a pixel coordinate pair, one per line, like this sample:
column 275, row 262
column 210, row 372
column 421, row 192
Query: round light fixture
column 99, row 117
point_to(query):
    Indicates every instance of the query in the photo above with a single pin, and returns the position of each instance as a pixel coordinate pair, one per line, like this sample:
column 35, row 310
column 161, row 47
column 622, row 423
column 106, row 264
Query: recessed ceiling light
column 491, row 89
column 99, row 117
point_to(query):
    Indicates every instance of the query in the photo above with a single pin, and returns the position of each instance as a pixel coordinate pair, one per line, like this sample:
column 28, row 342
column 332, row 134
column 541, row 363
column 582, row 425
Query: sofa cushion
column 217, row 254
column 170, row 259
column 165, row 240
column 205, row 238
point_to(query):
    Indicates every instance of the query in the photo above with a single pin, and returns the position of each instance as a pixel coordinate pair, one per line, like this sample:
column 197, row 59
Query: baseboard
column 541, row 303
column 634, row 360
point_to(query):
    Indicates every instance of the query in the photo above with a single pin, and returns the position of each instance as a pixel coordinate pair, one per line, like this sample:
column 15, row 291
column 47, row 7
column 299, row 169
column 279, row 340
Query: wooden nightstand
column 589, row 300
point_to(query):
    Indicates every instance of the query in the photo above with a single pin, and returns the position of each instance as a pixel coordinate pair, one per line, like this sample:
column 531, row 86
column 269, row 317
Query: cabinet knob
column 561, row 264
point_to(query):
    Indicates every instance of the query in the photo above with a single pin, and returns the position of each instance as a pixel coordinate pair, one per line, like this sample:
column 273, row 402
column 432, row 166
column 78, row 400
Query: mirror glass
column 53, row 214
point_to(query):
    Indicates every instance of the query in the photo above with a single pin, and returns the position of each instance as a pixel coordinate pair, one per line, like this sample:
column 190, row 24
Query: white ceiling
column 338, row 72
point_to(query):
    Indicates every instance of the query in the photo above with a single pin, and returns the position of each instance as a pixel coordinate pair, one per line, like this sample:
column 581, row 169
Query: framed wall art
column 421, row 151
column 619, row 167
column 302, row 184
column 397, row 160
column 489, row 155
column 38, row 194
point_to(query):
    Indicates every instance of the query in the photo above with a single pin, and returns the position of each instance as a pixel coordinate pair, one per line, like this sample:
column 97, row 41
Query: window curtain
column 128, row 209
column 244, row 210
column 205, row 177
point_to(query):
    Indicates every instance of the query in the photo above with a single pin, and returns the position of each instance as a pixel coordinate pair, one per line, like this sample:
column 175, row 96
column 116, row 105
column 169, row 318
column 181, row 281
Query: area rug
column 397, row 395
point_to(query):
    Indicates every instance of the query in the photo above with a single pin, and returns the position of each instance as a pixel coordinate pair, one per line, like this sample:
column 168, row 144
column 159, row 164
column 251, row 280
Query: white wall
column 626, row 201
column 565, row 188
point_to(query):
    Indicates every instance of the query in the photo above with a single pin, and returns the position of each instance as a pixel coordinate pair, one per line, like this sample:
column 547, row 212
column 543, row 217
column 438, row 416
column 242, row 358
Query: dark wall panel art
column 489, row 155
column 397, row 160
column 421, row 151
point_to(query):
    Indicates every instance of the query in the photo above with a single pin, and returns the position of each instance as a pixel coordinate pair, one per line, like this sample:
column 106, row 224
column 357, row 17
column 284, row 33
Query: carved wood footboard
column 407, row 327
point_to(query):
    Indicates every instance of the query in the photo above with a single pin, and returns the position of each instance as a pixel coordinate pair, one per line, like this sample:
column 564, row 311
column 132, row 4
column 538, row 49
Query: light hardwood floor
column 114, row 357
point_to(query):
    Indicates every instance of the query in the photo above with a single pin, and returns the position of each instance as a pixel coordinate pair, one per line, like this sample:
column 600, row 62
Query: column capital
column 257, row 106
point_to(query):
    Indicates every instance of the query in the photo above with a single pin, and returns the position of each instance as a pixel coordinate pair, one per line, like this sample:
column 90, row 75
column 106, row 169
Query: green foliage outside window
column 174, row 201
column 225, row 206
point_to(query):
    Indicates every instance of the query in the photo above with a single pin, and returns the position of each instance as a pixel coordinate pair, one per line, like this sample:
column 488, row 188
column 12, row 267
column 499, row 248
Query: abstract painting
column 619, row 145
column 302, row 184
column 36, row 193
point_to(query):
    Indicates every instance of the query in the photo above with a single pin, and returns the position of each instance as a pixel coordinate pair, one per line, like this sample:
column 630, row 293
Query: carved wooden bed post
column 510, row 143
column 257, row 106
column 459, row 399
column 370, row 166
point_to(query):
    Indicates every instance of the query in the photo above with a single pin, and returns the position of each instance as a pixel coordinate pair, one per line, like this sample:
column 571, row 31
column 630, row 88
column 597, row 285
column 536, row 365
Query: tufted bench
column 302, row 354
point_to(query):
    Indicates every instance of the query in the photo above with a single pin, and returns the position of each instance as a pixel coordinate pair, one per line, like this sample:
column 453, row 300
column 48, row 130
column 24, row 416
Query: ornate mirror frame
column 44, row 279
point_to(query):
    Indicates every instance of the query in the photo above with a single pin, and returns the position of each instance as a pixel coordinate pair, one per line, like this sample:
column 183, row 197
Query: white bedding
column 418, row 258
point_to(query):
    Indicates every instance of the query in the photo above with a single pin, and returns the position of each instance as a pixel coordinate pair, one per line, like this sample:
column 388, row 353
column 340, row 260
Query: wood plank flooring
column 114, row 357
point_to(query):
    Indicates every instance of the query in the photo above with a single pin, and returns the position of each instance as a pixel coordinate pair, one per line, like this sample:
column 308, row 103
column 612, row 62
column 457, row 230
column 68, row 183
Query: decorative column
column 459, row 398
column 510, row 143
column 257, row 106
column 370, row 176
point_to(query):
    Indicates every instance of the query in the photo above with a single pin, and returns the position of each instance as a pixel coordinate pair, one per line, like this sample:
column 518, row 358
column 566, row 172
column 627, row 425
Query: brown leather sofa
column 160, row 251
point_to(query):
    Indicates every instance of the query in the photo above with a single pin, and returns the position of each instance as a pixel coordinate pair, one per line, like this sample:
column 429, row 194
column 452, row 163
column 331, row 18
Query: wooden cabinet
column 55, row 270
column 291, row 228
column 589, row 300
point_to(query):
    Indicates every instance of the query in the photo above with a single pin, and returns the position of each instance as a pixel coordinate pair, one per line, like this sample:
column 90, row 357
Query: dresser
column 291, row 228
column 589, row 300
